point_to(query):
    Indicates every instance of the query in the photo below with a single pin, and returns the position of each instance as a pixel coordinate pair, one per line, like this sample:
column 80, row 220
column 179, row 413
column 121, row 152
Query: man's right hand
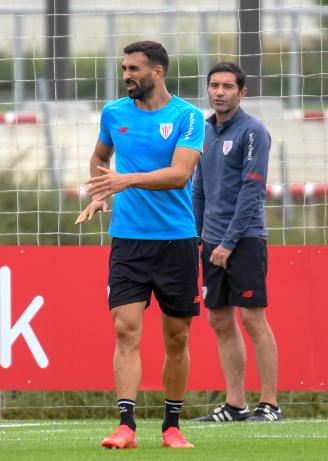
column 219, row 256
column 88, row 213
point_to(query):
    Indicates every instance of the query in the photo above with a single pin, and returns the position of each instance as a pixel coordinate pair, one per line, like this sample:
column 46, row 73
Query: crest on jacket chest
column 227, row 146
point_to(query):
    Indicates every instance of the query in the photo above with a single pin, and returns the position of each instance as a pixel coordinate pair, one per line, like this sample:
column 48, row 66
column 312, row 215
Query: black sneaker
column 224, row 414
column 265, row 412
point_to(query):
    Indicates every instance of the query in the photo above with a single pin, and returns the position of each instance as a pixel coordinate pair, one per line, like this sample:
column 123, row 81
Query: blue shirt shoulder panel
column 105, row 119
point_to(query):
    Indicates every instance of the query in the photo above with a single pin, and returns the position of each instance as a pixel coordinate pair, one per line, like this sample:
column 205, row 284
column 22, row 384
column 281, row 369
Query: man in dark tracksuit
column 228, row 199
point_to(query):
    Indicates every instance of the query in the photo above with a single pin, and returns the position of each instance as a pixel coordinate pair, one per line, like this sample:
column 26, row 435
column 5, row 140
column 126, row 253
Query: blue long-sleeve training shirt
column 229, row 183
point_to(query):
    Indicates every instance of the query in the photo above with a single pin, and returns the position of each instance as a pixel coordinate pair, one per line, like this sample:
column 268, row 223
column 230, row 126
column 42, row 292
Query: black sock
column 262, row 404
column 233, row 408
column 126, row 408
column 172, row 412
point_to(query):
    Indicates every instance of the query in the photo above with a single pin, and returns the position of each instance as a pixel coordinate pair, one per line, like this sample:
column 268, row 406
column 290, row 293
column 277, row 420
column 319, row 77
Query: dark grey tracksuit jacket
column 229, row 183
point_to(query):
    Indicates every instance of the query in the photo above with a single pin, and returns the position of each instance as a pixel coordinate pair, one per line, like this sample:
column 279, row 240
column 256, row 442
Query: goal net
column 49, row 130
column 61, row 61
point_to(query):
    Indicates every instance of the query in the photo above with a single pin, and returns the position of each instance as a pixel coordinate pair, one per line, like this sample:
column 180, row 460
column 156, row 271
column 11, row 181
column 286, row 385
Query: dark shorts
column 243, row 283
column 167, row 268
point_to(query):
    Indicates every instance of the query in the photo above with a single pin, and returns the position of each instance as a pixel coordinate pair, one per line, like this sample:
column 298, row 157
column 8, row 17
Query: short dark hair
column 229, row 67
column 154, row 51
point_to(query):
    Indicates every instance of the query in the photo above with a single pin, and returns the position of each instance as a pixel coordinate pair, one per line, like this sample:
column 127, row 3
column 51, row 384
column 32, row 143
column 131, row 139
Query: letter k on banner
column 9, row 333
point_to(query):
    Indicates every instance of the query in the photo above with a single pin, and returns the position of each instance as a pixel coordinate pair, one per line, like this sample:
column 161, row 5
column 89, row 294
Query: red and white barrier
column 19, row 118
column 11, row 118
column 297, row 190
column 315, row 115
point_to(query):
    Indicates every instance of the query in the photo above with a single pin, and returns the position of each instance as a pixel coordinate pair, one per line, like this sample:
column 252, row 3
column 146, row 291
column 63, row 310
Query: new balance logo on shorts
column 247, row 294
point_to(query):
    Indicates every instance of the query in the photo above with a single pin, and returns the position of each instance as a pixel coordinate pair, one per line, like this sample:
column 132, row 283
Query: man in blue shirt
column 157, row 140
column 228, row 199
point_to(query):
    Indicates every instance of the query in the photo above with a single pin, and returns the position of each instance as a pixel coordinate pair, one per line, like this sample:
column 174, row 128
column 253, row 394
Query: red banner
column 56, row 332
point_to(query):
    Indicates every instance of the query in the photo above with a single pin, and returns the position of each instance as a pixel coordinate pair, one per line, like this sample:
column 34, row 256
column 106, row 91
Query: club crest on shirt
column 227, row 146
column 165, row 129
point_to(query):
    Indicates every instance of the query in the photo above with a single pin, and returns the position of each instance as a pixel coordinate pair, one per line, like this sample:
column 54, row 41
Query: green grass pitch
column 79, row 440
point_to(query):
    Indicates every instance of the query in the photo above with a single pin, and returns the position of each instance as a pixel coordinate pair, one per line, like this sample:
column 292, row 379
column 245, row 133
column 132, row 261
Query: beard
column 143, row 90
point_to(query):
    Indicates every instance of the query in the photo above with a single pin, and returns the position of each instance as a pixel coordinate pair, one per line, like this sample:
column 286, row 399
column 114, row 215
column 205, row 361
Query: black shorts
column 243, row 283
column 167, row 268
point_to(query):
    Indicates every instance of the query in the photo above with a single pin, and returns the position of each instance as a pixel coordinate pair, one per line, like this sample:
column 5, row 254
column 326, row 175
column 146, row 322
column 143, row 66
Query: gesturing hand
column 107, row 184
column 88, row 213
